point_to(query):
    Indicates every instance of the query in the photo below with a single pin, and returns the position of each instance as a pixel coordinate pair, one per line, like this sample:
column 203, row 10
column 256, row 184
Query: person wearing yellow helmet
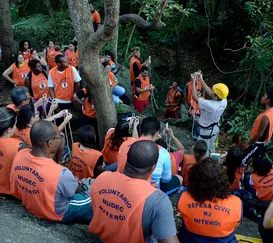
column 211, row 110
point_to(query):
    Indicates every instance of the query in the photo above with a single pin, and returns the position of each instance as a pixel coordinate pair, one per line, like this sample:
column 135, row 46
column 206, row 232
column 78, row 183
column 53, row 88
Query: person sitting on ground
column 19, row 96
column 52, row 55
column 173, row 101
column 25, row 49
column 234, row 168
column 49, row 47
column 143, row 90
column 266, row 230
column 135, row 66
column 108, row 56
column 36, row 81
column 52, row 192
column 145, row 215
column 209, row 212
column 19, row 70
column 260, row 182
column 72, row 55
column 9, row 147
column 162, row 177
column 261, row 132
column 114, row 139
column 95, row 16
column 117, row 90
column 176, row 156
column 63, row 81
column 211, row 110
column 86, row 161
column 200, row 149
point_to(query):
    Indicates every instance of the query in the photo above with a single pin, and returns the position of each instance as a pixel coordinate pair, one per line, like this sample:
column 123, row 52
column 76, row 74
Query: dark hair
column 41, row 132
column 57, row 43
column 58, row 58
column 270, row 95
column 200, row 149
column 21, row 45
column 162, row 143
column 18, row 94
column 16, row 59
column 25, row 114
column 262, row 166
column 33, row 63
column 208, row 181
column 87, row 136
column 105, row 64
column 150, row 126
column 233, row 161
column 144, row 68
column 108, row 53
column 117, row 138
column 7, row 119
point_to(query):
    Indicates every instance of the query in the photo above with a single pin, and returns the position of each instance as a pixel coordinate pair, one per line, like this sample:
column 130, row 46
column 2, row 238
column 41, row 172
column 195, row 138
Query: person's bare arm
column 263, row 125
column 135, row 132
column 77, row 99
column 6, row 74
column 56, row 116
column 207, row 89
column 173, row 239
column 43, row 61
column 51, row 92
column 77, row 86
column 177, row 143
column 66, row 120
column 53, row 107
column 268, row 217
column 139, row 90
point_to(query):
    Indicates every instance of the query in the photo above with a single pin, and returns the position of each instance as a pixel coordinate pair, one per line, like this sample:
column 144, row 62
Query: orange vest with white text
column 118, row 202
column 132, row 74
column 73, row 58
column 269, row 114
column 83, row 163
column 23, row 135
column 88, row 107
column 189, row 94
column 39, row 86
column 263, row 186
column 210, row 219
column 145, row 84
column 63, row 82
column 171, row 97
column 8, row 150
column 188, row 162
column 34, row 181
column 51, row 58
column 19, row 73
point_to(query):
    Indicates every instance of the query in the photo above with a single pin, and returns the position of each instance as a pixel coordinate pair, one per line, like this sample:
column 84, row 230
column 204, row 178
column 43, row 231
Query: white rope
column 67, row 142
column 168, row 138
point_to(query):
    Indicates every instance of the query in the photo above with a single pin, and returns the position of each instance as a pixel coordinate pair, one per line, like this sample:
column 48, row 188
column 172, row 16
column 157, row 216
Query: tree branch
column 143, row 24
column 229, row 49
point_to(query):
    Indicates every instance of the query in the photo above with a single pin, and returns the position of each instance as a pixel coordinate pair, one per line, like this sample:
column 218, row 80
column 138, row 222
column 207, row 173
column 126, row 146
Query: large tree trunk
column 6, row 40
column 90, row 44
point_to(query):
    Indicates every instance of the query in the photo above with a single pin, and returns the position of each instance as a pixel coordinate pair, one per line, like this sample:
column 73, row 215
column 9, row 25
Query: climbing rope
column 168, row 138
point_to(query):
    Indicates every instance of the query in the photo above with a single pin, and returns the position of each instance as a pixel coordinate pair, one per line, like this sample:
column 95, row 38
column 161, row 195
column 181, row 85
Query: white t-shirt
column 211, row 111
column 77, row 78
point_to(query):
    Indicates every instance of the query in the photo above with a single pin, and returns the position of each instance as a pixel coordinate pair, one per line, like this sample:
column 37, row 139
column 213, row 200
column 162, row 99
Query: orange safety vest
column 145, row 84
column 8, row 150
column 210, row 219
column 132, row 74
column 26, row 54
column 88, row 107
column 48, row 54
column 173, row 160
column 12, row 106
column 237, row 180
column 63, row 82
column 112, row 79
column 189, row 95
column 188, row 162
column 171, row 97
column 118, row 202
column 83, row 163
column 73, row 58
column 51, row 58
column 269, row 114
column 110, row 62
column 34, row 180
column 39, row 85
column 23, row 135
column 19, row 73
column 263, row 186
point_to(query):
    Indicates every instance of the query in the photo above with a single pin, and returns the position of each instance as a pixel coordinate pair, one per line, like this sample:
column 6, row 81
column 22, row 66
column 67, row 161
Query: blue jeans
column 111, row 167
column 117, row 91
column 80, row 209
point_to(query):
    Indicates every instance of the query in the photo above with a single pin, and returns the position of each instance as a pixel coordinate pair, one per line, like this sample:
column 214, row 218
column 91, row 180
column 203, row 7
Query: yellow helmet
column 221, row 90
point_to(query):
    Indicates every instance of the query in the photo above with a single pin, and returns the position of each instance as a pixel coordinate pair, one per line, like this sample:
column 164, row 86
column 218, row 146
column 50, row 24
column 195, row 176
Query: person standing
column 173, row 101
column 25, row 49
column 262, row 129
column 95, row 16
column 48, row 48
column 52, row 55
column 211, row 110
column 72, row 55
column 145, row 214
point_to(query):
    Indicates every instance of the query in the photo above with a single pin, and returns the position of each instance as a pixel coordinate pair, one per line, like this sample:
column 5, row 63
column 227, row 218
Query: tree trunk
column 6, row 40
column 90, row 44
column 50, row 10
